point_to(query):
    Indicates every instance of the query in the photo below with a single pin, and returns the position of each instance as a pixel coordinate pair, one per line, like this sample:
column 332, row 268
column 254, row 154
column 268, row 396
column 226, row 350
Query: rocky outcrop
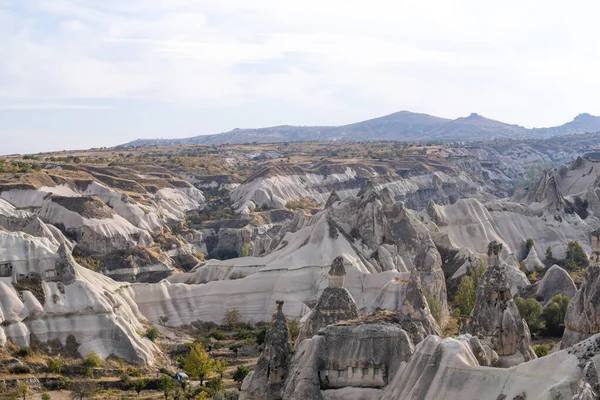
column 545, row 192
column 335, row 304
column 449, row 369
column 555, row 281
column 496, row 318
column 532, row 261
column 582, row 319
column 429, row 264
column 415, row 304
column 589, row 384
column 267, row 380
column 359, row 356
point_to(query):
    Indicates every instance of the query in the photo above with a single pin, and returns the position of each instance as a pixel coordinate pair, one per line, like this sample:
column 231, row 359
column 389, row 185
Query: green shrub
column 92, row 360
column 218, row 334
column 152, row 334
column 294, row 329
column 55, row 366
column 20, row 369
column 243, row 334
column 24, row 351
column 45, row 396
column 528, row 245
column 576, row 256
column 262, row 334
column 541, row 350
column 554, row 314
column 215, row 384
column 434, row 306
column 240, row 373
column 464, row 301
column 531, row 310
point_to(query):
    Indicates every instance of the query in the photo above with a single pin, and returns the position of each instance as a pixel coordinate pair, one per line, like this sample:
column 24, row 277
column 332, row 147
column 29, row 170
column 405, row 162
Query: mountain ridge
column 401, row 126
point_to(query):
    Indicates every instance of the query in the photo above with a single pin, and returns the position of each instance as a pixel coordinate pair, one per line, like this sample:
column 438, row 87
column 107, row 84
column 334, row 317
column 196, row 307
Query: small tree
column 221, row 367
column 549, row 255
column 166, row 385
column 530, row 310
column 231, row 319
column 245, row 250
column 23, row 390
column 554, row 314
column 198, row 363
column 294, row 329
column 528, row 245
column 55, row 366
column 576, row 255
column 82, row 390
column 152, row 334
column 240, row 373
column 139, row 385
column 92, row 360
column 45, row 396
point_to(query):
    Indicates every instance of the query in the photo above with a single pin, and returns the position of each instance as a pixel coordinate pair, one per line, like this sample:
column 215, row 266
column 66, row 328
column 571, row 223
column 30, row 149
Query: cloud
column 525, row 63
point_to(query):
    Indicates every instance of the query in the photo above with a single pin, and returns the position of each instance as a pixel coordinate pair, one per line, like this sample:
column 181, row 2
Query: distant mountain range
column 401, row 126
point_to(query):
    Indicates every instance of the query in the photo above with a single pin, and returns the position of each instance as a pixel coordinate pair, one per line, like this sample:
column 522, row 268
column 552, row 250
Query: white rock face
column 448, row 369
column 71, row 300
column 555, row 281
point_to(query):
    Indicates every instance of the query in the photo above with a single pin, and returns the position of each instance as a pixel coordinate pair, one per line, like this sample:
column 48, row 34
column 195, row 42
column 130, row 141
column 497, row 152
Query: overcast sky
column 88, row 73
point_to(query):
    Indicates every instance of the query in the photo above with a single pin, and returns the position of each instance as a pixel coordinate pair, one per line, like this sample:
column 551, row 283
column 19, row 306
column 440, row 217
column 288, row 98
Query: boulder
column 496, row 318
column 555, row 281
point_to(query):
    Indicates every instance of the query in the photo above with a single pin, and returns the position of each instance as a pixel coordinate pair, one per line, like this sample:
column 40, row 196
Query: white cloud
column 532, row 63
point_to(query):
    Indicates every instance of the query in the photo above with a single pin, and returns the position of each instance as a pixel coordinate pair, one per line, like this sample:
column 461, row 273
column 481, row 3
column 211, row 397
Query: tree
column 531, row 310
column 549, row 255
column 240, row 373
column 82, row 390
column 231, row 319
column 294, row 329
column 92, row 360
column 221, row 367
column 554, row 314
column 166, row 385
column 198, row 363
column 152, row 334
column 245, row 250
column 23, row 389
column 55, row 366
column 139, row 385
column 528, row 245
column 467, row 289
column 576, row 256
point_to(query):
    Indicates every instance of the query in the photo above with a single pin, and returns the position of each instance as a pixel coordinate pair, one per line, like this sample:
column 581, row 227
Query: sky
column 77, row 74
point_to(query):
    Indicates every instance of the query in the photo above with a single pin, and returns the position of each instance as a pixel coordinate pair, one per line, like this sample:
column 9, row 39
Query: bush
column 554, row 314
column 528, row 245
column 541, row 350
column 262, row 334
column 464, row 301
column 24, row 351
column 92, row 360
column 231, row 318
column 218, row 334
column 294, row 329
column 434, row 306
column 20, row 369
column 245, row 250
column 243, row 334
column 531, row 310
column 45, row 396
column 55, row 366
column 576, row 255
column 240, row 373
column 152, row 334
column 215, row 384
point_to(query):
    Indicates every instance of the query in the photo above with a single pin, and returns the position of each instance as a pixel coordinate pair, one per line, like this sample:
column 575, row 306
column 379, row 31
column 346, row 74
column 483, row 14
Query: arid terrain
column 302, row 270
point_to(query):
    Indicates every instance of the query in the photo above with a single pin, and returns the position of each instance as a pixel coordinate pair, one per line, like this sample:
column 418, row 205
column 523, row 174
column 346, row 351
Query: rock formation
column 416, row 307
column 555, row 281
column 429, row 264
column 496, row 317
column 357, row 358
column 589, row 384
column 335, row 303
column 267, row 380
column 582, row 319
